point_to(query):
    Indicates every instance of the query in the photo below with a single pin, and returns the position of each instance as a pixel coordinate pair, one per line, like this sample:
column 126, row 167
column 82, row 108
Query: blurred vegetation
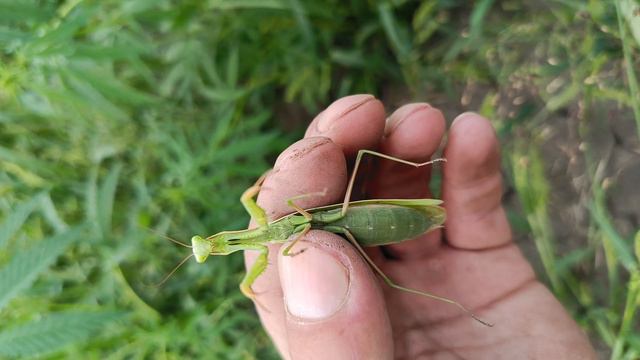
column 120, row 115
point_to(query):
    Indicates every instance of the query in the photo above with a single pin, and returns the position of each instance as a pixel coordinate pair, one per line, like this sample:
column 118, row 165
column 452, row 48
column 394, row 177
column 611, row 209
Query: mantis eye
column 201, row 248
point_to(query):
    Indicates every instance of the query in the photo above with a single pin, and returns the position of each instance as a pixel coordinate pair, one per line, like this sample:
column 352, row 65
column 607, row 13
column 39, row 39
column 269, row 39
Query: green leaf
column 106, row 196
column 224, row 95
column 621, row 247
column 248, row 4
column 22, row 11
column 629, row 9
column 25, row 266
column 233, row 64
column 637, row 245
column 351, row 57
column 14, row 221
column 302, row 18
column 58, row 41
column 112, row 88
column 573, row 258
column 8, row 36
column 51, row 215
column 31, row 163
column 398, row 38
column 52, row 332
column 476, row 22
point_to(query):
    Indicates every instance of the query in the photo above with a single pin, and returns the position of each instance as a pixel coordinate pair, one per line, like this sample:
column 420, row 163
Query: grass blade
column 533, row 188
column 632, row 79
column 622, row 248
column 628, row 8
column 631, row 306
column 397, row 38
column 248, row 4
column 636, row 246
column 476, row 23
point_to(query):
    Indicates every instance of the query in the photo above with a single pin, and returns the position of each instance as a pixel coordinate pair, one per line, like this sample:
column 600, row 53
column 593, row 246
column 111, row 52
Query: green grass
column 120, row 115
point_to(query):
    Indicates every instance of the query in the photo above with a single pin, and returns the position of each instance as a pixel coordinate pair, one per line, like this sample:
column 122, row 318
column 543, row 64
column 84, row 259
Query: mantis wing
column 400, row 202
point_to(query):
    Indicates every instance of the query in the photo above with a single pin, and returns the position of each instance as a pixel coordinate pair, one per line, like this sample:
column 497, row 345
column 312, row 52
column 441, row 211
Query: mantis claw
column 252, row 294
column 248, row 292
column 295, row 253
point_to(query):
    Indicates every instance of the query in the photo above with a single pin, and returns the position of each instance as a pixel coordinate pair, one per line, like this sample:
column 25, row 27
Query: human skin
column 326, row 303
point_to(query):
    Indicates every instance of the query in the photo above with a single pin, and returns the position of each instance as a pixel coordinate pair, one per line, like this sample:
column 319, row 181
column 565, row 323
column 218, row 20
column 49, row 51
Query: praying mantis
column 363, row 223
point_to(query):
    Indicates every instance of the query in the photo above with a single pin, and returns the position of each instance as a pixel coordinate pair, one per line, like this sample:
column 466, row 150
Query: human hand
column 327, row 304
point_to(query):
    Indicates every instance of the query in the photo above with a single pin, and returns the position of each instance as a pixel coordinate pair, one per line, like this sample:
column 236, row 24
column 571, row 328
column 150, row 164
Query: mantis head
column 201, row 248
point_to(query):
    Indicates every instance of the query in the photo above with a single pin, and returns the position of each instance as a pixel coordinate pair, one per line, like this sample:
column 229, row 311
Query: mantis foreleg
column 287, row 249
column 256, row 269
column 347, row 196
column 256, row 212
column 392, row 284
column 303, row 212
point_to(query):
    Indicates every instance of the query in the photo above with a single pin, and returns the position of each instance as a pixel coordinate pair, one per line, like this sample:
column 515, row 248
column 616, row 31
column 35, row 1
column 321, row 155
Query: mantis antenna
column 164, row 280
column 167, row 237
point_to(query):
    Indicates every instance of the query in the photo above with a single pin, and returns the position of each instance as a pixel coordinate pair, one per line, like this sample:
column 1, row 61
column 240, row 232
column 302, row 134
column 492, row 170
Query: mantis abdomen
column 382, row 224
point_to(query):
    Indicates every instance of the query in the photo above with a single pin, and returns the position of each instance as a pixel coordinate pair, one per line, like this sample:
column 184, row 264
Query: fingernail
column 463, row 115
column 314, row 283
column 403, row 113
column 339, row 109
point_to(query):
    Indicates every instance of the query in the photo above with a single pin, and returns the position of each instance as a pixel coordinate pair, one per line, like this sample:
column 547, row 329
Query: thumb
column 335, row 308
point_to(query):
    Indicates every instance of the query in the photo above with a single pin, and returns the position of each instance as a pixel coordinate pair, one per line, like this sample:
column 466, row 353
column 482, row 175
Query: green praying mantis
column 363, row 223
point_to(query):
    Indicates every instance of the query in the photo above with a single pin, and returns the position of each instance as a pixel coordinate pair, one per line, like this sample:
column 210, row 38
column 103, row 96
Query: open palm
column 327, row 304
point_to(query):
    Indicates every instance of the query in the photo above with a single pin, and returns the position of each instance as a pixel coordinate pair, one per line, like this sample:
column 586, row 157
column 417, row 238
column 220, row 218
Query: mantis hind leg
column 392, row 284
column 256, row 212
column 347, row 195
